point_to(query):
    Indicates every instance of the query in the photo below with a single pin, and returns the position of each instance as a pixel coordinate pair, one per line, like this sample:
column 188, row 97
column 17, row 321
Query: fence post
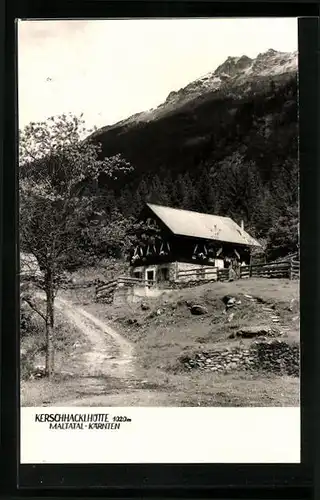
column 250, row 271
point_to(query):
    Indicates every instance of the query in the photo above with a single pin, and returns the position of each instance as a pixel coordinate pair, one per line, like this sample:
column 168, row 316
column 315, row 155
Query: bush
column 33, row 342
column 27, row 364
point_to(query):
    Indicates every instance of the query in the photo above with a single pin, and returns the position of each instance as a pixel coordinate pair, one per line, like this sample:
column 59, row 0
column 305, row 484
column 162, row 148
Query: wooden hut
column 180, row 243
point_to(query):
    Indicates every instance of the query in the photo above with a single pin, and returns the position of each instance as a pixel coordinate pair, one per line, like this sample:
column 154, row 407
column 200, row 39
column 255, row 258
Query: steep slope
column 234, row 78
column 181, row 132
column 226, row 144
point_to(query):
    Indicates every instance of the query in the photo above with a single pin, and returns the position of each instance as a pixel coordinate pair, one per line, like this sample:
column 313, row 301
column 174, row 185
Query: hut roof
column 200, row 225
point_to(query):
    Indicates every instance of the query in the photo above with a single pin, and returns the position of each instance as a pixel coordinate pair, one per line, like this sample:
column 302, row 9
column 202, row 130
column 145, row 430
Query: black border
column 163, row 8
column 250, row 481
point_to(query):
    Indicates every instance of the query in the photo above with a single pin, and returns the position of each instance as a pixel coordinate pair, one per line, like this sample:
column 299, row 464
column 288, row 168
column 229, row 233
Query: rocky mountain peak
column 273, row 62
column 232, row 65
column 237, row 71
column 234, row 77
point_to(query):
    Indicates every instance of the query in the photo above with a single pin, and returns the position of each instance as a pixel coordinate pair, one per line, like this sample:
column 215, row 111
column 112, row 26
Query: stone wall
column 133, row 294
column 179, row 272
column 171, row 266
column 274, row 356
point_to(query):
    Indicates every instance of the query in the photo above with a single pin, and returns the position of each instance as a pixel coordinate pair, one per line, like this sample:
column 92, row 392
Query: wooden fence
column 295, row 269
column 105, row 291
column 203, row 273
column 223, row 275
column 283, row 269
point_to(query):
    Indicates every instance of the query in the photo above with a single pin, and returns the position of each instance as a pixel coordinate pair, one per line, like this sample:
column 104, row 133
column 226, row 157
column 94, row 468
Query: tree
column 186, row 191
column 236, row 184
column 206, row 196
column 285, row 184
column 141, row 195
column 265, row 213
column 55, row 164
column 283, row 237
column 158, row 191
column 111, row 234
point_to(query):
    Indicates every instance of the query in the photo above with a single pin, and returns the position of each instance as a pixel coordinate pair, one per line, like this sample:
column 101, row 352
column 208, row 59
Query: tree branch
column 34, row 307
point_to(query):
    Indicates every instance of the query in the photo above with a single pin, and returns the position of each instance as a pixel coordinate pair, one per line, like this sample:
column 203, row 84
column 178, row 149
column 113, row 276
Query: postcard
column 159, row 241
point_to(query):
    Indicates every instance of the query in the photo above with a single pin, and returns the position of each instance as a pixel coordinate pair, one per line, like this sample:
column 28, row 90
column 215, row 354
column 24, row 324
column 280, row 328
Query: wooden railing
column 282, row 269
column 198, row 273
column 295, row 269
column 105, row 291
column 204, row 274
column 129, row 281
column 105, row 288
column 223, row 274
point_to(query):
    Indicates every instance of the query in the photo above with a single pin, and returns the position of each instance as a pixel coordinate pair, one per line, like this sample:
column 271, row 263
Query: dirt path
column 105, row 372
column 110, row 354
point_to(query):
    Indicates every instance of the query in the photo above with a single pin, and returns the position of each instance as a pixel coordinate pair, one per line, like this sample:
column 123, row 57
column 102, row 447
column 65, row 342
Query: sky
column 111, row 69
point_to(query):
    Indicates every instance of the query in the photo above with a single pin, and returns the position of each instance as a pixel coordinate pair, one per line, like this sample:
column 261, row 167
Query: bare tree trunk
column 49, row 368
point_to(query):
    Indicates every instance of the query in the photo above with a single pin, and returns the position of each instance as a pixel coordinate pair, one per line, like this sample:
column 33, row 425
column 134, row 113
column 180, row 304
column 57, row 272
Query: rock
column 252, row 331
column 228, row 306
column 144, row 306
column 291, row 307
column 39, row 371
column 198, row 310
column 230, row 318
column 39, row 367
column 131, row 321
column 227, row 299
column 232, row 366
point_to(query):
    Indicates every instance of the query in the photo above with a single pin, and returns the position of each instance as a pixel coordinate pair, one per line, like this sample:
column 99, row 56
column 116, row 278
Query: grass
column 166, row 329
column 32, row 344
column 162, row 331
column 229, row 390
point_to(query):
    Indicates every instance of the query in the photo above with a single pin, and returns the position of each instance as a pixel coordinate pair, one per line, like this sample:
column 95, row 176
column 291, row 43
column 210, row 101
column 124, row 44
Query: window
column 138, row 275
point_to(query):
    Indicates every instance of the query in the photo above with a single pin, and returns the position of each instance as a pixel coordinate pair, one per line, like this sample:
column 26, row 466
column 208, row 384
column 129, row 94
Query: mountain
column 227, row 143
column 178, row 134
column 235, row 77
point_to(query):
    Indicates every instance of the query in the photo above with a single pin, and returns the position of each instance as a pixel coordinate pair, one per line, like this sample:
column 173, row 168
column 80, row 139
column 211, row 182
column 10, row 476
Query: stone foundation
column 274, row 356
column 133, row 294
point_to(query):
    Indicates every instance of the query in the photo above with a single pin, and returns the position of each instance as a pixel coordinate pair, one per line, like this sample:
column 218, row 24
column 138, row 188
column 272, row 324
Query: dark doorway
column 164, row 274
column 150, row 276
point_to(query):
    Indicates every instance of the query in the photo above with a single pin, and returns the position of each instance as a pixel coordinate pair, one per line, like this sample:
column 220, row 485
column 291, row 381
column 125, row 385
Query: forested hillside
column 226, row 144
column 222, row 154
